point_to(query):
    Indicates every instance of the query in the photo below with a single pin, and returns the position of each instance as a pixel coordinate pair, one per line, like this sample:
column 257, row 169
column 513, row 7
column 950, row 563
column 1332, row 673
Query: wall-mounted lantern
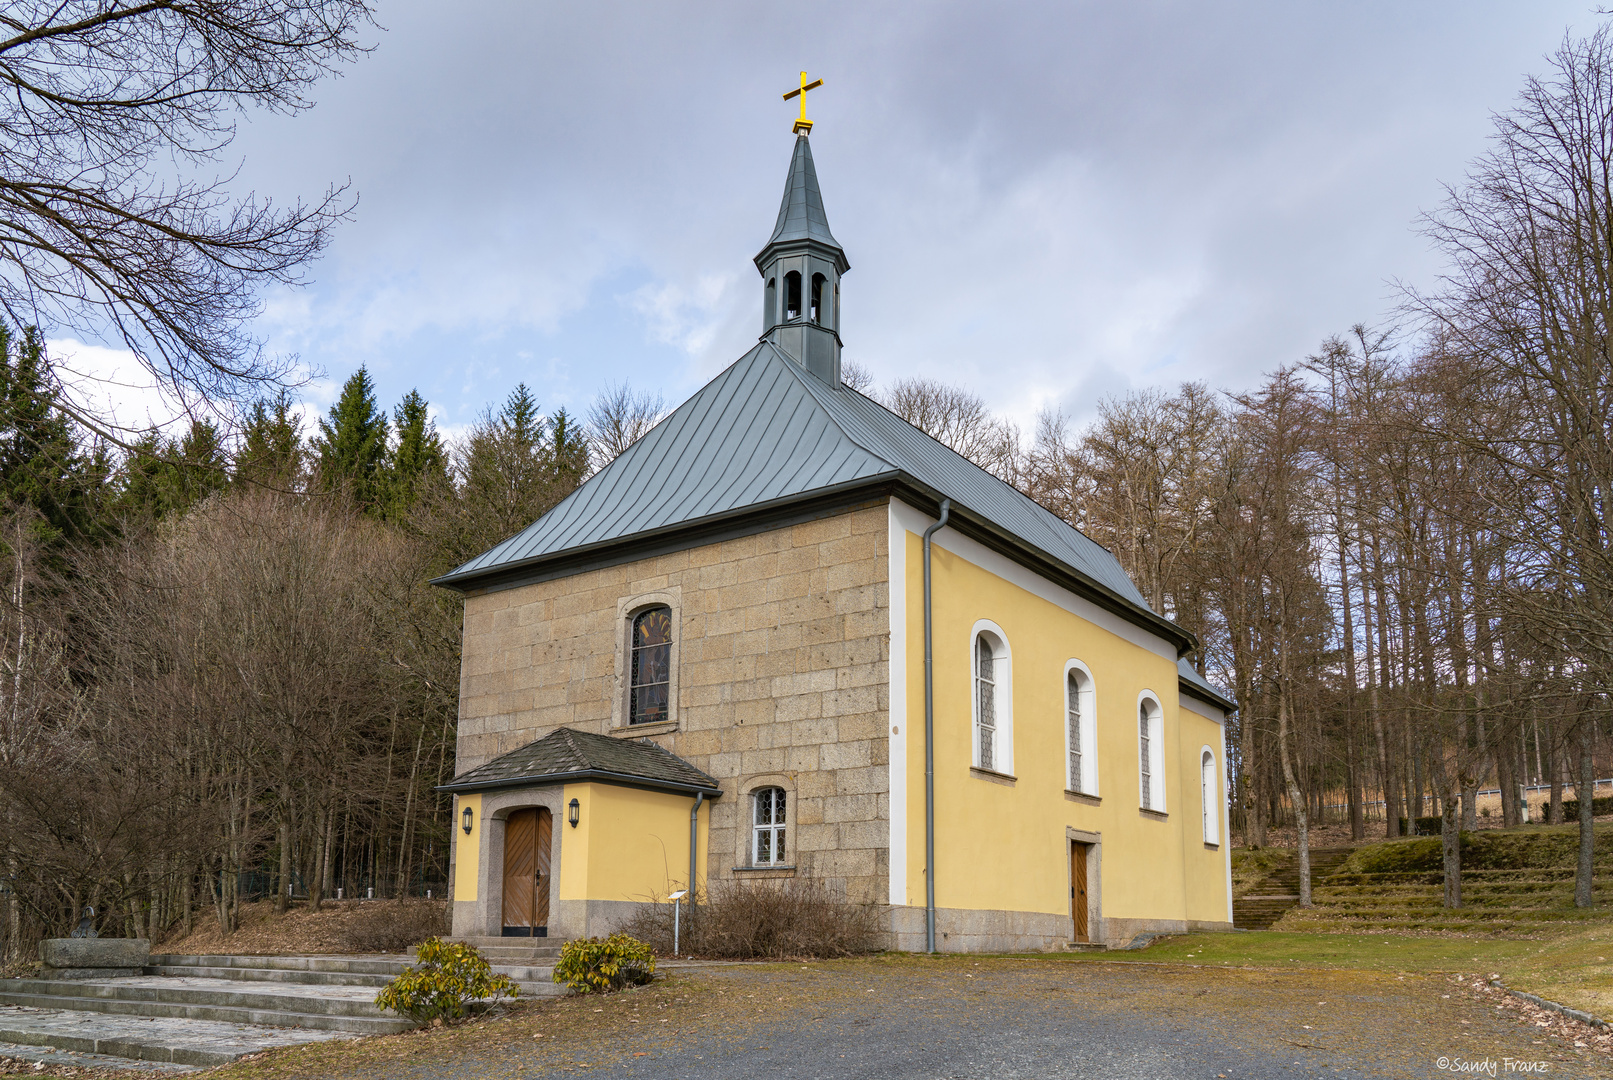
column 465, row 818
column 574, row 813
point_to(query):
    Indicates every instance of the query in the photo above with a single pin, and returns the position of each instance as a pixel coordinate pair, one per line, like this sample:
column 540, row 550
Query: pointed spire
column 800, row 215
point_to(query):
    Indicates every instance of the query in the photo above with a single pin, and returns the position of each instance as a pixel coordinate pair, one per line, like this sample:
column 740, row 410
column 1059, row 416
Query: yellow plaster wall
column 628, row 844
column 466, row 847
column 1002, row 846
column 1203, row 868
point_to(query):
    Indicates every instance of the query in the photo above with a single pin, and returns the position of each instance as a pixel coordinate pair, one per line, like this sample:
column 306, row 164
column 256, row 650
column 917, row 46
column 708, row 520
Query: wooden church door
column 1078, row 889
column 527, row 835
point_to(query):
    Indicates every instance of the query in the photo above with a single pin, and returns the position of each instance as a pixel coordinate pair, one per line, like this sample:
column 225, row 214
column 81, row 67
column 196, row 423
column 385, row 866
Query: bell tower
column 801, row 266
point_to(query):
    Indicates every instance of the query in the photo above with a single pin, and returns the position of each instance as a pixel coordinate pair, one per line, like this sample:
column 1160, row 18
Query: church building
column 718, row 659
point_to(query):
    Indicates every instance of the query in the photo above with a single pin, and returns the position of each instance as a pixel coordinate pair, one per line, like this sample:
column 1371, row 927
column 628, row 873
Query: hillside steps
column 207, row 1010
column 1274, row 896
column 1517, row 883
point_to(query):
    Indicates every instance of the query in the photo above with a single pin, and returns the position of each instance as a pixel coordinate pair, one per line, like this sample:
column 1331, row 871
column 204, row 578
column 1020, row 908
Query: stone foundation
column 970, row 931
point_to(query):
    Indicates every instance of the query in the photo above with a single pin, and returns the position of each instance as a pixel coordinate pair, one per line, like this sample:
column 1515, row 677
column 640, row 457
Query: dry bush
column 764, row 920
column 393, row 926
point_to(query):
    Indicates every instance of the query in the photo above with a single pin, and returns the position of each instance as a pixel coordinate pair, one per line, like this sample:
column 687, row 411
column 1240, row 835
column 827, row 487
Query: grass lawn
column 1575, row 967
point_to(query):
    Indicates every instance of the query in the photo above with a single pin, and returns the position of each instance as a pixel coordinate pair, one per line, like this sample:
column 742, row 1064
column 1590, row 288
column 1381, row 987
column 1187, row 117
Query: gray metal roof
column 800, row 215
column 765, row 433
column 1199, row 686
column 566, row 754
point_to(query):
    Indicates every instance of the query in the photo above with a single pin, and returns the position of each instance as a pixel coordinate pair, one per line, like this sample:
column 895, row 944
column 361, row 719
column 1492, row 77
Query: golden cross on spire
column 803, row 126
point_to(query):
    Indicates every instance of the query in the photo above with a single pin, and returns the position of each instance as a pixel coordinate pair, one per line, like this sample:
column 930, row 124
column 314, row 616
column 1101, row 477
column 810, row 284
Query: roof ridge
column 802, row 376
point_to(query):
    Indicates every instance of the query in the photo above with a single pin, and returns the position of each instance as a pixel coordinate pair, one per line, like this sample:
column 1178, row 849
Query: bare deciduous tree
column 93, row 236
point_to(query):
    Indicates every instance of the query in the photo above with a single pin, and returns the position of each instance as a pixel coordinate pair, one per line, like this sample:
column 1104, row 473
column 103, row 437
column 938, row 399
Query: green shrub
column 600, row 965
column 448, row 980
column 1600, row 805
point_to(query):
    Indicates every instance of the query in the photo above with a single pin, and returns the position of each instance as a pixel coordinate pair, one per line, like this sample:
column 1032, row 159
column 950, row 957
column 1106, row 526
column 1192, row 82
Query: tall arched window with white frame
column 1150, row 753
column 992, row 701
column 1080, row 730
column 1211, row 793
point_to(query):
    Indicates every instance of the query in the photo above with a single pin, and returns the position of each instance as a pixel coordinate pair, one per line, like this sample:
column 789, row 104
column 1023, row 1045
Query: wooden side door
column 1078, row 889
column 540, row 883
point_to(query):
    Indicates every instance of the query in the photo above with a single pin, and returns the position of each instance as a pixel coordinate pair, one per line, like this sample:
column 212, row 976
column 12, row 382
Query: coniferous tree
column 43, row 464
column 271, row 451
column 419, row 458
column 352, row 444
column 161, row 478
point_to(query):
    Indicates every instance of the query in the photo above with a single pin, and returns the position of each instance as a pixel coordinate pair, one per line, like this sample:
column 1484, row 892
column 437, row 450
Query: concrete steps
column 208, row 1010
column 1273, row 897
column 170, row 1041
column 227, row 1000
column 533, row 976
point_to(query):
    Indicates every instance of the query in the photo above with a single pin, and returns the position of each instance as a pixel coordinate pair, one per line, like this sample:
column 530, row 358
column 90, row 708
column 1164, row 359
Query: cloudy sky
column 1047, row 202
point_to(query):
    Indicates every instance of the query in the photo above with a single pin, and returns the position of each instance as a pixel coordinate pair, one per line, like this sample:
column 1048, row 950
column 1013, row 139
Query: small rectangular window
column 767, row 848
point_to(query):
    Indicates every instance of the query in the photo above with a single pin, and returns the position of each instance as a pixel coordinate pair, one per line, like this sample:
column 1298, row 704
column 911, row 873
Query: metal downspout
column 929, row 739
column 694, row 849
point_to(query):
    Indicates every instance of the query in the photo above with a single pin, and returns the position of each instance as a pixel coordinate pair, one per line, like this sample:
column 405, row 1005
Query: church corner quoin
column 709, row 661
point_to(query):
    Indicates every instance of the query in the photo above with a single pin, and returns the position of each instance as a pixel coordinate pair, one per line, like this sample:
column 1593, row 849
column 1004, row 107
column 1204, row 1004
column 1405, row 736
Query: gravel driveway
column 913, row 1017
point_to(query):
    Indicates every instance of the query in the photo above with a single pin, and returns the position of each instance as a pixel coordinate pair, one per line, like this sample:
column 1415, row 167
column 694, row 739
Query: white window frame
column 1156, row 751
column 778, row 830
column 1210, row 792
column 1002, row 757
column 1087, row 782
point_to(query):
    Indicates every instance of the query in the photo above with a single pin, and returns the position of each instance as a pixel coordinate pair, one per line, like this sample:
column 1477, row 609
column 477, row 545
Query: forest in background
column 226, row 675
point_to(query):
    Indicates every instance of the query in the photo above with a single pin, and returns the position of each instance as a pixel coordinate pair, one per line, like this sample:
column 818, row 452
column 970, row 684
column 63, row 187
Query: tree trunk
column 1554, row 759
column 1586, row 789
column 1295, row 796
column 282, row 897
column 1451, row 843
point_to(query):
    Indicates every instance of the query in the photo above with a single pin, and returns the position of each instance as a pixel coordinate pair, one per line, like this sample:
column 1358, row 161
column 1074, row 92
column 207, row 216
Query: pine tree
column 352, row 444
column 419, row 458
column 163, row 478
column 568, row 452
column 43, row 464
column 271, row 451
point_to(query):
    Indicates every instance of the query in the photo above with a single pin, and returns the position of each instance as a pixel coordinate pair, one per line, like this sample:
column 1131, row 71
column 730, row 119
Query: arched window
column 1150, row 754
column 1145, row 755
column 651, row 666
column 1211, row 793
column 1080, row 730
column 767, row 834
column 792, row 295
column 818, row 281
column 993, row 701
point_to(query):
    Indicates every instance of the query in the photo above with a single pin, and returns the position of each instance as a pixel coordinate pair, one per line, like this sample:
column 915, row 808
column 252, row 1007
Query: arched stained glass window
column 651, row 666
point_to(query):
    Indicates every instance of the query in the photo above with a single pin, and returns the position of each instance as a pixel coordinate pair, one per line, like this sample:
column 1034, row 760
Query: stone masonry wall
column 781, row 678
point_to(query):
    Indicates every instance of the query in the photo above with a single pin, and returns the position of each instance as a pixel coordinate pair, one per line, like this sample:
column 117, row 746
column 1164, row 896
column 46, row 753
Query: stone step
column 276, row 975
column 210, row 999
column 344, row 965
column 171, row 1041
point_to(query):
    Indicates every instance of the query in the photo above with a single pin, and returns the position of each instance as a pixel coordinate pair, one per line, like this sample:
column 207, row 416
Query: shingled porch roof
column 566, row 755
